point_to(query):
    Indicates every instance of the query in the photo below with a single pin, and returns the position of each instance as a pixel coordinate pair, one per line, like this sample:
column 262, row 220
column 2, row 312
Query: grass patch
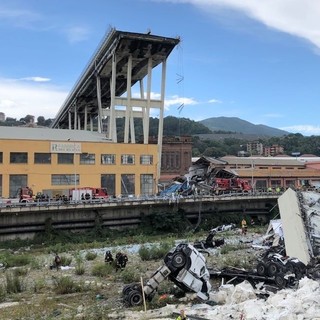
column 154, row 252
column 230, row 248
column 91, row 256
column 65, row 285
column 10, row 260
column 13, row 283
column 102, row 270
column 129, row 274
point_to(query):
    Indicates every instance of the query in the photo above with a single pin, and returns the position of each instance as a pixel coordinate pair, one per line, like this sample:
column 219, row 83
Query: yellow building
column 83, row 148
column 55, row 159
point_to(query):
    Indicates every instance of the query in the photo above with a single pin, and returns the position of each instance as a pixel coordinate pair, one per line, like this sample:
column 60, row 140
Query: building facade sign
column 65, row 147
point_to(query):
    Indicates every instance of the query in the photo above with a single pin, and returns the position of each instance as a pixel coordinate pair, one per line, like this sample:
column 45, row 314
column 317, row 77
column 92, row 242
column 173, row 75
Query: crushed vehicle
column 291, row 246
column 184, row 265
column 211, row 241
column 210, row 181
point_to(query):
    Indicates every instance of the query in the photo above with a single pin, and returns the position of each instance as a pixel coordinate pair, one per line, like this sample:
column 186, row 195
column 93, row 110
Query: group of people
column 119, row 262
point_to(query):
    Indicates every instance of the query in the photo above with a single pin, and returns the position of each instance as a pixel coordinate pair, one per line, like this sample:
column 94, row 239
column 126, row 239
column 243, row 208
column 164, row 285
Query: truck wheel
column 272, row 269
column 179, row 260
column 280, row 281
column 130, row 287
column 135, row 298
column 261, row 269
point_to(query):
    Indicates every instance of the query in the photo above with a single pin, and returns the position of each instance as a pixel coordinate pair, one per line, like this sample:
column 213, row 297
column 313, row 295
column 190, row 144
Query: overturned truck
column 184, row 265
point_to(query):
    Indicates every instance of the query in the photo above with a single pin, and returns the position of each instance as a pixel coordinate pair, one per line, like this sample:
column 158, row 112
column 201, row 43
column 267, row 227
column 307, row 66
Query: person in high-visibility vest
column 244, row 226
column 182, row 316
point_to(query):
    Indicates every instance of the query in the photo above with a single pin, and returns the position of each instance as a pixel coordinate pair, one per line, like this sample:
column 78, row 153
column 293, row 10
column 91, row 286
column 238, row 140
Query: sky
column 258, row 60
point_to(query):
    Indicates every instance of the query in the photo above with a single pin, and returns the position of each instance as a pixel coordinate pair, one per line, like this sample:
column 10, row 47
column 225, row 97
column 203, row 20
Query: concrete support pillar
column 70, row 119
column 99, row 104
column 112, row 121
column 160, row 128
column 75, row 118
column 85, row 125
column 128, row 108
column 147, row 111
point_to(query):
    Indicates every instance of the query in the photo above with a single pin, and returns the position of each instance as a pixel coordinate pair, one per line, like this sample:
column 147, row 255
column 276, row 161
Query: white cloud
column 214, row 101
column 36, row 79
column 77, row 34
column 17, row 99
column 178, row 101
column 300, row 18
column 307, row 130
column 19, row 17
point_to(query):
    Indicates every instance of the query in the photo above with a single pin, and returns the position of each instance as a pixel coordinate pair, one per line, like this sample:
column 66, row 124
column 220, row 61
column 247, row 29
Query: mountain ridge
column 237, row 125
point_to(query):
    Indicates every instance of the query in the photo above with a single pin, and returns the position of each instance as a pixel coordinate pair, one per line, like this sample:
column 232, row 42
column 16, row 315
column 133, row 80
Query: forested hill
column 241, row 126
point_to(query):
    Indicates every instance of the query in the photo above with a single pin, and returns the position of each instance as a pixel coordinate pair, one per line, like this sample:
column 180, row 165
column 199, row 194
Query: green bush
column 154, row 252
column 101, row 269
column 39, row 284
column 66, row 285
column 91, row 255
column 129, row 275
column 20, row 272
column 80, row 268
column 13, row 283
column 11, row 260
column 3, row 293
column 66, row 261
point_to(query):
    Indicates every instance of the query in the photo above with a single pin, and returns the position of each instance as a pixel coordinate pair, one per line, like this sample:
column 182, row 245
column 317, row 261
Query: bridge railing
column 139, row 199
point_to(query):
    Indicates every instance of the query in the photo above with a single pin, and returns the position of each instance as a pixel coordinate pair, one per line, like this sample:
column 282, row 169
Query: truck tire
column 280, row 280
column 179, row 260
column 135, row 298
column 130, row 287
column 272, row 269
column 261, row 269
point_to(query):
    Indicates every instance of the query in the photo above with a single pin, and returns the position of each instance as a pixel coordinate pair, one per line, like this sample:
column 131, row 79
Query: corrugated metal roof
column 269, row 161
column 29, row 133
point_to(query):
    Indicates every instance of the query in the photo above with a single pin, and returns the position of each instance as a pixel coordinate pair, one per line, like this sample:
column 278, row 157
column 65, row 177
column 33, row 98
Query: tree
column 41, row 121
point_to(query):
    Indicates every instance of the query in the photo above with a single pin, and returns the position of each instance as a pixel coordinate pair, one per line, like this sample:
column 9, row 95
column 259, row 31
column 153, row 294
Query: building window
column 66, row 158
column 108, row 181
column 17, row 181
column 261, row 185
column 290, row 183
column 127, row 184
column 65, row 179
column 127, row 159
column 87, row 158
column 0, row 185
column 108, row 159
column 275, row 183
column 146, row 159
column 42, row 158
column 1, row 157
column 18, row 157
column 146, row 184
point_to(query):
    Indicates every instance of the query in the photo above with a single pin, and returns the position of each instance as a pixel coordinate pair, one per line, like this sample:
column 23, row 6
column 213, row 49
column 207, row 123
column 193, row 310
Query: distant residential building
column 2, row 117
column 273, row 150
column 255, row 148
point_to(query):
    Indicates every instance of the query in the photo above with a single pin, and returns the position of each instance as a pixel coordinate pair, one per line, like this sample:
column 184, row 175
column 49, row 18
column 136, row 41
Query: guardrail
column 151, row 198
